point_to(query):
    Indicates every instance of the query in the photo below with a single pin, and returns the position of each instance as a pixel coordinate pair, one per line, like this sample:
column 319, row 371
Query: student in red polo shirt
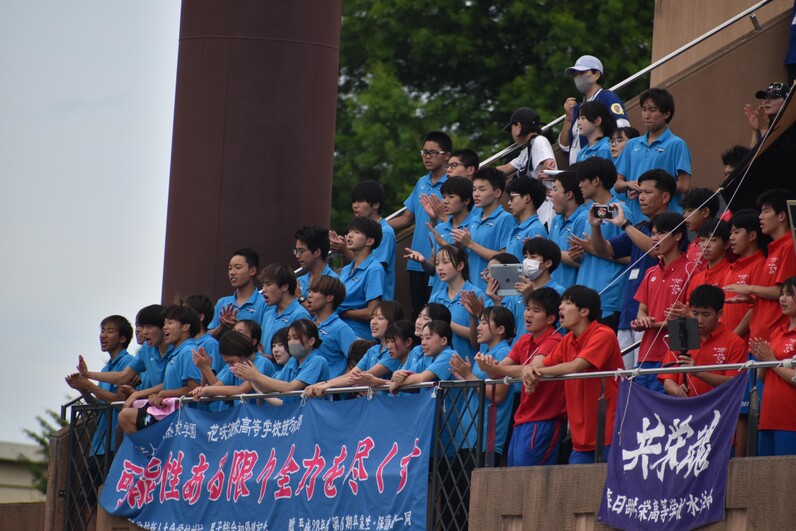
column 540, row 420
column 714, row 239
column 663, row 285
column 588, row 347
column 719, row 346
column 777, row 435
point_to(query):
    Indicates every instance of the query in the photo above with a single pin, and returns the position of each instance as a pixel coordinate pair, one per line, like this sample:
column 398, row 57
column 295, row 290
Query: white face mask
column 531, row 269
column 583, row 84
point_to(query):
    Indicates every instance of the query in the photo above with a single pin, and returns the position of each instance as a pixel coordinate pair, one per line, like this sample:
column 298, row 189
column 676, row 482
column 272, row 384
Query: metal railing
column 459, row 439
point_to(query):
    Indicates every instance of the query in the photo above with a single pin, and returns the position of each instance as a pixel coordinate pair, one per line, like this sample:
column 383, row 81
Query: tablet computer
column 507, row 276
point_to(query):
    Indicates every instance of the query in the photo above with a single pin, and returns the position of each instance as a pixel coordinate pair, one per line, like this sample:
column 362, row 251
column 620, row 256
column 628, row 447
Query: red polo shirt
column 547, row 401
column 694, row 254
column 598, row 346
column 662, row 286
column 713, row 276
column 742, row 271
column 778, row 267
column 778, row 408
column 722, row 347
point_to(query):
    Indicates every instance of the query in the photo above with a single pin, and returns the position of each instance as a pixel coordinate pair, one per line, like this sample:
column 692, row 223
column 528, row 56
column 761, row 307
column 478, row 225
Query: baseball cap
column 523, row 115
column 585, row 62
column 774, row 90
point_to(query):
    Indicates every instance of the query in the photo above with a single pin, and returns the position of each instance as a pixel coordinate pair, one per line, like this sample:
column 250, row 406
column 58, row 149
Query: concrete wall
column 568, row 497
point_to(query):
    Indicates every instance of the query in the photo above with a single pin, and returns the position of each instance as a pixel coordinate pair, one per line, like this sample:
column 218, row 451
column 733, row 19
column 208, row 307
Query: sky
column 86, row 112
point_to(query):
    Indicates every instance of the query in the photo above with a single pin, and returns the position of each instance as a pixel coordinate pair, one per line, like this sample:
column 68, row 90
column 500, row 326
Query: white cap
column 584, row 63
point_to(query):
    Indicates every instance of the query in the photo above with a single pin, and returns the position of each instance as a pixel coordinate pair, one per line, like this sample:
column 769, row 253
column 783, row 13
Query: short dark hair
column 314, row 238
column 236, row 344
column 437, row 312
column 662, row 99
column 734, row 155
column 630, row 132
column 664, row 181
column 184, row 315
column 441, row 328
column 402, row 329
column 250, row 255
column 151, row 315
column 457, row 255
column 707, row 296
column 669, row 222
column 748, row 220
column 591, row 110
column 495, row 177
column 368, row 227
column 329, row 285
column 702, row 198
column 547, row 298
column 467, row 157
column 715, row 227
column 501, row 316
column 281, row 275
column 547, row 249
column 506, row 258
column 532, row 187
column 280, row 337
column 569, row 182
column 598, row 168
column 459, row 186
column 255, row 330
column 584, row 299
column 390, row 310
column 442, row 140
column 122, row 325
column 203, row 306
column 777, row 199
column 306, row 330
column 369, row 191
column 357, row 351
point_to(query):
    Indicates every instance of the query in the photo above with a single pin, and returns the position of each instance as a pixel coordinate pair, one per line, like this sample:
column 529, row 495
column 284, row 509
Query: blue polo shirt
column 444, row 230
column 668, row 152
column 150, row 366
column 311, row 371
column 363, row 283
column 499, row 351
column 440, row 364
column 491, row 232
column 385, row 253
column 420, row 241
column 561, row 229
column 336, row 337
column 273, row 321
column 459, row 315
column 516, row 305
column 99, row 439
column 226, row 377
column 607, row 98
column 601, row 148
column 210, row 344
column 378, row 354
column 412, row 358
column 304, row 281
column 597, row 273
column 180, row 368
column 251, row 310
column 530, row 228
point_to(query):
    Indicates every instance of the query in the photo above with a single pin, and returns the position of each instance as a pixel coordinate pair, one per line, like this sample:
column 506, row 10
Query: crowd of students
column 606, row 260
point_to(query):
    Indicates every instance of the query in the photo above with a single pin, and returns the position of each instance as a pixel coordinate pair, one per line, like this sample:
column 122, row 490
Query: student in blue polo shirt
column 279, row 288
column 181, row 324
column 570, row 219
column 435, row 342
column 366, row 200
column 204, row 307
column 453, row 271
column 305, row 367
column 487, row 234
column 246, row 302
column 659, row 148
column 597, row 176
column 597, row 125
column 436, row 151
column 526, row 196
column 312, row 248
column 363, row 278
column 325, row 296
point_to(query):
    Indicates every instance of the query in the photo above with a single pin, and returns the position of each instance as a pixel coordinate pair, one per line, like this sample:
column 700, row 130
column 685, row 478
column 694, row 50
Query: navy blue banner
column 351, row 464
column 667, row 468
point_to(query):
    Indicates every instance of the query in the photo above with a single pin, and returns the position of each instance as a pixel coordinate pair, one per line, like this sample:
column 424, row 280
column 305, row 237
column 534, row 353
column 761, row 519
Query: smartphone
column 603, row 211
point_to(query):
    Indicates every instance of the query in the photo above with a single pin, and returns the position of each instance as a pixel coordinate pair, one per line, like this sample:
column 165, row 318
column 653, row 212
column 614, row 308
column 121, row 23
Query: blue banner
column 667, row 468
column 351, row 464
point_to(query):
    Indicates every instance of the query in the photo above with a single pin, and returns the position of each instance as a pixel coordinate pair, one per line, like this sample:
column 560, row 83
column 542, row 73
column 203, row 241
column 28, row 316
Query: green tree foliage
column 461, row 66
column 48, row 424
